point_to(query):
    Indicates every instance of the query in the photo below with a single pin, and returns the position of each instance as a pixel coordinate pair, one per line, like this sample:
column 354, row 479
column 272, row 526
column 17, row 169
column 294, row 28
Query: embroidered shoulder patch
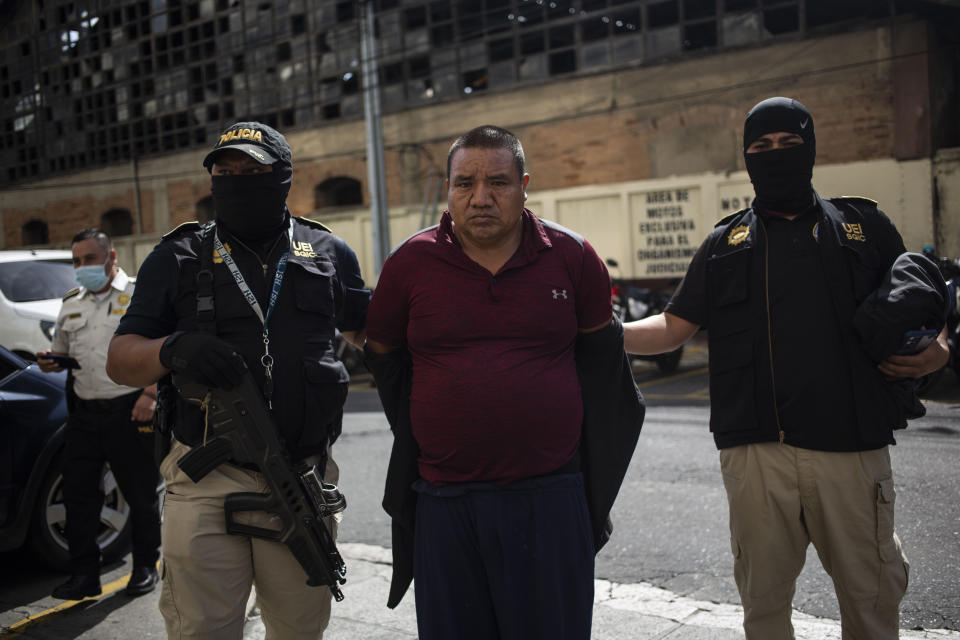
column 854, row 231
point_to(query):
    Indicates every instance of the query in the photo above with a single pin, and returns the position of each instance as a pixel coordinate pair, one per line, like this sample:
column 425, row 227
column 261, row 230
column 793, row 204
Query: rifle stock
column 240, row 428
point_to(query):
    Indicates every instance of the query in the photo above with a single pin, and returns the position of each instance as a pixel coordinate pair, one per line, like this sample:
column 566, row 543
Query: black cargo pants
column 100, row 431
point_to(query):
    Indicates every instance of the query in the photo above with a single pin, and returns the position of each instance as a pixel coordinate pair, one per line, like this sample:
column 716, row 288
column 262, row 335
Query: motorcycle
column 631, row 303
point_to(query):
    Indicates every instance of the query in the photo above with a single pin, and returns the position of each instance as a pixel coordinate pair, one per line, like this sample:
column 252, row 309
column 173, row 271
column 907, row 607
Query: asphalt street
column 666, row 573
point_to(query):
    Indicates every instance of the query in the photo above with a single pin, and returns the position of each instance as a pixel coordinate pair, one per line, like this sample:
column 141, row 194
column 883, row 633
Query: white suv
column 32, row 285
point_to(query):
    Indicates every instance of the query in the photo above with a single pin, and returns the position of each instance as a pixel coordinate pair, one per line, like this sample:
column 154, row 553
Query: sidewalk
column 622, row 611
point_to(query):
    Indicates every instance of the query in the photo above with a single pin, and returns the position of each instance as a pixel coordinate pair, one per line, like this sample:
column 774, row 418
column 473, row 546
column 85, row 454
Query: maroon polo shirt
column 495, row 393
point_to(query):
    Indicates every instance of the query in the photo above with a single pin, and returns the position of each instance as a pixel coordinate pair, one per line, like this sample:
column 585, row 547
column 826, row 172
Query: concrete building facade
column 641, row 154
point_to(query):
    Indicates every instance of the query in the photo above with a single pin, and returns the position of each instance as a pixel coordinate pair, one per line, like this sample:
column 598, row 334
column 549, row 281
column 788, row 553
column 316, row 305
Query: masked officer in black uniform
column 802, row 416
column 280, row 286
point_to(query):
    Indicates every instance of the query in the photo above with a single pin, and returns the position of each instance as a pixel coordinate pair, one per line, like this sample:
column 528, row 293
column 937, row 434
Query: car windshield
column 31, row 280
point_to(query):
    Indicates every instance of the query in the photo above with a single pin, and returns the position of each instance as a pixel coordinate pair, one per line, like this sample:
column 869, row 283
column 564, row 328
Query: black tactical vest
column 310, row 385
column 858, row 245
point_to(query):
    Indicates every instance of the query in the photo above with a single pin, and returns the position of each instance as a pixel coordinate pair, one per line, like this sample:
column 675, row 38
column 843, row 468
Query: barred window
column 105, row 82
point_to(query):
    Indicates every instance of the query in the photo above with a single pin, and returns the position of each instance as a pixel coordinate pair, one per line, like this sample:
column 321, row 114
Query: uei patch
column 123, row 299
column 815, row 232
column 216, row 256
column 854, row 232
column 738, row 235
column 303, row 250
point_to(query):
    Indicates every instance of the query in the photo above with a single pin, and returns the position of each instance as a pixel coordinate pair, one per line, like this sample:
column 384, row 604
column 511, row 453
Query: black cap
column 264, row 144
column 778, row 114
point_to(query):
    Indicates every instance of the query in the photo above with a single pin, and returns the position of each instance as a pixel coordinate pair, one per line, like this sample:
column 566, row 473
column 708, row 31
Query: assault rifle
column 240, row 429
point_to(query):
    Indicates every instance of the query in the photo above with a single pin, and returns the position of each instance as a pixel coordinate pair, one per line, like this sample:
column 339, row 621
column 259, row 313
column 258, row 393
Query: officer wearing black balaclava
column 780, row 169
column 801, row 411
column 252, row 207
column 256, row 292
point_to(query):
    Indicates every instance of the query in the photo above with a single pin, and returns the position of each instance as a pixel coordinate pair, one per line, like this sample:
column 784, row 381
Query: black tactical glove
column 203, row 357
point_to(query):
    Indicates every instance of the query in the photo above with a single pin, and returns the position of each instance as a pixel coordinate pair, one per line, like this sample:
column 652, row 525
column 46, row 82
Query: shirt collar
column 121, row 280
column 535, row 238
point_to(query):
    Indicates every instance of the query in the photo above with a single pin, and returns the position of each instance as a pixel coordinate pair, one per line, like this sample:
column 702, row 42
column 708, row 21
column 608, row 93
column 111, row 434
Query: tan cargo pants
column 781, row 499
column 207, row 573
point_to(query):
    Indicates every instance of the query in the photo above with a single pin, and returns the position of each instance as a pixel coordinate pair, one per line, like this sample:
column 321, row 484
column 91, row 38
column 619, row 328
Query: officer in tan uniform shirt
column 108, row 423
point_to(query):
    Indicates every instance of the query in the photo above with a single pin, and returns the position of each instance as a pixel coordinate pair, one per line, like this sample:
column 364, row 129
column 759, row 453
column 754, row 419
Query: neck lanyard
column 266, row 359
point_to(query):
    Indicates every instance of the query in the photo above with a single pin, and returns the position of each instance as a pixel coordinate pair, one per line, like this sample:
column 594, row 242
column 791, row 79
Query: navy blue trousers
column 508, row 562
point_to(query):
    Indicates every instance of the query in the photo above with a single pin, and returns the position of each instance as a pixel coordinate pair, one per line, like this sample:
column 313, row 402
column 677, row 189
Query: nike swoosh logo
column 803, row 125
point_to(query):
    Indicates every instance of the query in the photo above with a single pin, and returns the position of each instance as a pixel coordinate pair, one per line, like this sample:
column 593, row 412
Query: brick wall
column 66, row 216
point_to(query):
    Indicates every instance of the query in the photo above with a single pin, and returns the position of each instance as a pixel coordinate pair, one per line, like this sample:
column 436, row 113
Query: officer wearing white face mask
column 108, row 422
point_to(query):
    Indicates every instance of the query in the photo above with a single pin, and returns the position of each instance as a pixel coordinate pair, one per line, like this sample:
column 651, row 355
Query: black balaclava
column 782, row 177
column 253, row 208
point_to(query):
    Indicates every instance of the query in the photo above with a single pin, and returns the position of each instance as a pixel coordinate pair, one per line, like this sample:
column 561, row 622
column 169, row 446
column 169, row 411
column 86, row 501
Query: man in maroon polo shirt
column 489, row 304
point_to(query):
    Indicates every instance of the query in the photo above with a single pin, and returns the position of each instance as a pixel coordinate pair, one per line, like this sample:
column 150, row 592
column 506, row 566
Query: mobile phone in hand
column 66, row 362
column 916, row 341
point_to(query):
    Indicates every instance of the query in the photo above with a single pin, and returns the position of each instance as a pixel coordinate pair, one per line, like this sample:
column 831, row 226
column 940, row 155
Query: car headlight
column 48, row 328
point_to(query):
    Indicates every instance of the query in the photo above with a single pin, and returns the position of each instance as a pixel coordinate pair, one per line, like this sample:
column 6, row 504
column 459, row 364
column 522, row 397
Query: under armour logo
column 803, row 125
column 557, row 294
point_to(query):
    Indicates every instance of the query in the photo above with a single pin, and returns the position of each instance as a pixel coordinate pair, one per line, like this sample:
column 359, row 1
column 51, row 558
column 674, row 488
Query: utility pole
column 376, row 173
column 136, row 188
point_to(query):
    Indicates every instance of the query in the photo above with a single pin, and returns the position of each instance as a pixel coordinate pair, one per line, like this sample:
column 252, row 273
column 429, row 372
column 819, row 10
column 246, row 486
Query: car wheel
column 49, row 538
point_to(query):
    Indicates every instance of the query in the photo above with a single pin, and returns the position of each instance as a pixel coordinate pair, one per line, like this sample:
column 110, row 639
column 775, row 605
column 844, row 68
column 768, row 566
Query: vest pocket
column 732, row 383
column 313, row 286
column 325, row 390
column 727, row 277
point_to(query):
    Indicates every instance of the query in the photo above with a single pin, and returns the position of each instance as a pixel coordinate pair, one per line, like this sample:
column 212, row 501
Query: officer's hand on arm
column 145, row 405
column 46, row 364
column 920, row 364
column 659, row 333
